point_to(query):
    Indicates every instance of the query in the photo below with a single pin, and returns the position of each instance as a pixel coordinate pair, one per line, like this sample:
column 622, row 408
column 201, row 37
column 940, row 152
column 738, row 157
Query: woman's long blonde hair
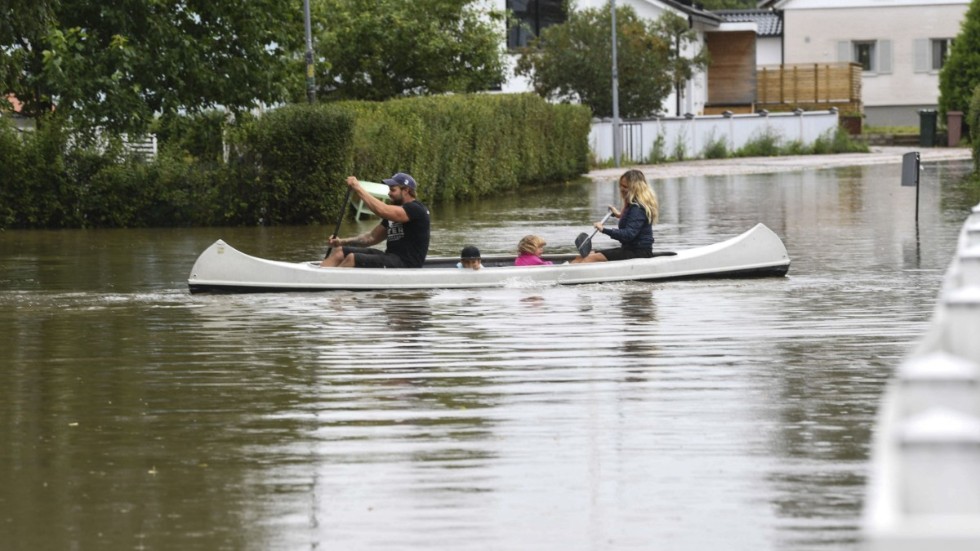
column 639, row 191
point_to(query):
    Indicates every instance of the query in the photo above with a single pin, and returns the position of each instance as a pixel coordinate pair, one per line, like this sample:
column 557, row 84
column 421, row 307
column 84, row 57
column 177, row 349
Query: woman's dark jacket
column 635, row 231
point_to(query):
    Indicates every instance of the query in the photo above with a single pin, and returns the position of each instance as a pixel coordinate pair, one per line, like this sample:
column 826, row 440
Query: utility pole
column 617, row 146
column 677, row 82
column 310, row 82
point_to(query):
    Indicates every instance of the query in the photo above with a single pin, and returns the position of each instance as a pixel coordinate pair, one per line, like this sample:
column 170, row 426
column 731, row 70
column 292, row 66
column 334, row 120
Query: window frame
column 944, row 46
column 526, row 25
column 871, row 47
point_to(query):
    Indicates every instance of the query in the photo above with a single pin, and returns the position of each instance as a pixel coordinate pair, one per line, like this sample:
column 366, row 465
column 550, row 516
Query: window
column 940, row 50
column 530, row 17
column 931, row 54
column 864, row 55
column 874, row 56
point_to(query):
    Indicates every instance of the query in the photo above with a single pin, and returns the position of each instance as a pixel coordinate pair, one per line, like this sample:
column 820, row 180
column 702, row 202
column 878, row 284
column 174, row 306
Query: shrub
column 764, row 143
column 658, row 151
column 301, row 155
column 973, row 121
column 839, row 141
column 34, row 190
column 795, row 147
column 470, row 145
column 680, row 150
column 961, row 71
column 288, row 166
column 716, row 148
column 199, row 136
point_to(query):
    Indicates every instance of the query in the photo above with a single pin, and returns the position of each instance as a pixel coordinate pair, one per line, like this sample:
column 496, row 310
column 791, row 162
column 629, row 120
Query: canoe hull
column 222, row 269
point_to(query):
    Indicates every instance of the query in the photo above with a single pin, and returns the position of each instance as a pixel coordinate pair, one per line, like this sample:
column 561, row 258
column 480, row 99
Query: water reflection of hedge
column 287, row 166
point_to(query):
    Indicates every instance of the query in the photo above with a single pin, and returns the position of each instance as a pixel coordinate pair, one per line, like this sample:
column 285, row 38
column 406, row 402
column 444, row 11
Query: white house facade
column 538, row 14
column 901, row 44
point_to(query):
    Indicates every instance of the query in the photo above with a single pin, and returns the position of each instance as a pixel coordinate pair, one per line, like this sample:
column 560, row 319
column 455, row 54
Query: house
column 728, row 89
column 535, row 15
column 900, row 44
column 734, row 47
column 768, row 33
column 13, row 113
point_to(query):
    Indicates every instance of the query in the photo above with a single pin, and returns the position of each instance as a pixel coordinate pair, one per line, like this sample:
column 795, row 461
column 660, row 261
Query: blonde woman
column 639, row 213
column 529, row 251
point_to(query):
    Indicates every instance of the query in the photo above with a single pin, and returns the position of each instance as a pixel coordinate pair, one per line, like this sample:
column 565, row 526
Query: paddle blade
column 584, row 244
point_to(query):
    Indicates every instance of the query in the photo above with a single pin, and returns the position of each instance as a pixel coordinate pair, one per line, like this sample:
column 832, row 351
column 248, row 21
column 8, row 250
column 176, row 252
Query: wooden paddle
column 584, row 242
column 340, row 219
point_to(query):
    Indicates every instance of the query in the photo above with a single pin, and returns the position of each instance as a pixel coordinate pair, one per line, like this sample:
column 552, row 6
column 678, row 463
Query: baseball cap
column 469, row 253
column 400, row 179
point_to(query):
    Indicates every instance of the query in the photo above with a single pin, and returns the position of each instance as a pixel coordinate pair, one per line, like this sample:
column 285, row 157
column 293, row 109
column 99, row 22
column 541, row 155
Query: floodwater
column 725, row 414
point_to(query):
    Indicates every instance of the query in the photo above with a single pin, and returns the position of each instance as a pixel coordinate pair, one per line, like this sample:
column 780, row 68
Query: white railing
column 688, row 137
column 145, row 146
column 924, row 483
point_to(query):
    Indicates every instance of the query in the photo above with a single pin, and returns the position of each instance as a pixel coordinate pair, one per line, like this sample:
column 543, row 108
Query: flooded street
column 691, row 415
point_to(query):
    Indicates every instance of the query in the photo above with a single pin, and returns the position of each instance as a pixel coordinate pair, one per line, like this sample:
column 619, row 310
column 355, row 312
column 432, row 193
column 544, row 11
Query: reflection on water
column 684, row 415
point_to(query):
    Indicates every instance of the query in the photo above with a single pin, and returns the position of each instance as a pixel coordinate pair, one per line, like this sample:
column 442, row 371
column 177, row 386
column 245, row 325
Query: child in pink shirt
column 529, row 252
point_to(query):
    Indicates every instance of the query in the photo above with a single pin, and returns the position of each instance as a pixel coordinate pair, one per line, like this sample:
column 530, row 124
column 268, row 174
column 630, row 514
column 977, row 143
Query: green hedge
column 199, row 136
column 34, row 183
column 973, row 123
column 295, row 159
column 470, row 145
column 288, row 166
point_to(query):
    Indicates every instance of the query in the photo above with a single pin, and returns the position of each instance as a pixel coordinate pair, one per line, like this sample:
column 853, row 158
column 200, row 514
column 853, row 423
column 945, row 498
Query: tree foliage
column 572, row 61
column 23, row 26
column 973, row 121
column 116, row 64
column 961, row 71
column 381, row 49
column 682, row 39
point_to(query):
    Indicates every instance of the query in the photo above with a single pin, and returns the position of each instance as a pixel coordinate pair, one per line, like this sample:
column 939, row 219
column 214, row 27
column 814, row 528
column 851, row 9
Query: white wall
column 823, row 4
column 646, row 9
column 812, row 35
column 692, row 135
column 768, row 50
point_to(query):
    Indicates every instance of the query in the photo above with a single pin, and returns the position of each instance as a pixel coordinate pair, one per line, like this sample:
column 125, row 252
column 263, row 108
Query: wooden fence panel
column 811, row 85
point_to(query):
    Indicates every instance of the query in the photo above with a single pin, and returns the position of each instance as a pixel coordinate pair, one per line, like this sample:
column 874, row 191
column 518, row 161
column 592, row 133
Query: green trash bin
column 927, row 128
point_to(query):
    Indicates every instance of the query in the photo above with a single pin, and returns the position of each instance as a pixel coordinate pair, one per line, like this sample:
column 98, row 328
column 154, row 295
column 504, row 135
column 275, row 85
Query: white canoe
column 756, row 253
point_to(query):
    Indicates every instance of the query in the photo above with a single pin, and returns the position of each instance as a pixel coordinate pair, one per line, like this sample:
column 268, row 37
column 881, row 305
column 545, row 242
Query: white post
column 617, row 138
column 310, row 82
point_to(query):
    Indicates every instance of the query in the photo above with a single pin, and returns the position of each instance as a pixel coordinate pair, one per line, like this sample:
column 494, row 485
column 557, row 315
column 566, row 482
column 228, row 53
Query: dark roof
column 695, row 10
column 769, row 22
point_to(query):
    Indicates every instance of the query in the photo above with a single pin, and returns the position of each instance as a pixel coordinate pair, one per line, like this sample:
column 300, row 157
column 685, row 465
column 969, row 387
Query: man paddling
column 404, row 223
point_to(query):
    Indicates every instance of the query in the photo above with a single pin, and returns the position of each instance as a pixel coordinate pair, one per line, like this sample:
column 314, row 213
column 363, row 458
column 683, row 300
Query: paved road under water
column 730, row 414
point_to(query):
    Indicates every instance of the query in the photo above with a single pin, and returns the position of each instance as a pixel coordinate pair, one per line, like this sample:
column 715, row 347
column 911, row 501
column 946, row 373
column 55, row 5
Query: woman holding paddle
column 639, row 213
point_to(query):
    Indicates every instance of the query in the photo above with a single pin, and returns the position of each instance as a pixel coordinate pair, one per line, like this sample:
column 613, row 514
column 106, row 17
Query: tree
column 728, row 4
column 572, row 61
column 381, row 49
column 115, row 65
column 23, row 25
column 682, row 38
column 961, row 71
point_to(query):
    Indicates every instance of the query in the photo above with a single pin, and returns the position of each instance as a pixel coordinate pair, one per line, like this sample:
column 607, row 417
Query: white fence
column 924, row 482
column 144, row 145
column 689, row 137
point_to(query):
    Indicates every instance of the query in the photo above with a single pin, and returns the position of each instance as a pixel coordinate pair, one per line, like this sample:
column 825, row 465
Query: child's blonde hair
column 529, row 244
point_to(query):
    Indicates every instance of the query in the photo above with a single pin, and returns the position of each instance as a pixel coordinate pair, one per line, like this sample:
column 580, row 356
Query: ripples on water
column 684, row 415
